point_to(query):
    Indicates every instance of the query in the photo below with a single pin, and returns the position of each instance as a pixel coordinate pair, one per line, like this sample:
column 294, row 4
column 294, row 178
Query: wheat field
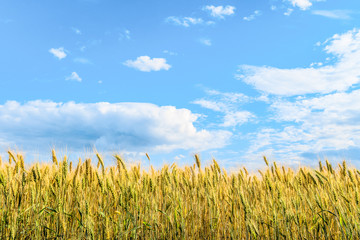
column 66, row 200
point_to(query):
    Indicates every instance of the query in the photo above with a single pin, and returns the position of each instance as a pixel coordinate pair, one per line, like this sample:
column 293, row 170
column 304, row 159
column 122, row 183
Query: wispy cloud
column 323, row 79
column 179, row 157
column 220, row 11
column 170, row 53
column 74, row 77
column 106, row 126
column 205, row 41
column 252, row 16
column 125, row 35
column 312, row 125
column 288, row 12
column 185, row 21
column 58, row 52
column 335, row 14
column 315, row 111
column 147, row 64
column 228, row 104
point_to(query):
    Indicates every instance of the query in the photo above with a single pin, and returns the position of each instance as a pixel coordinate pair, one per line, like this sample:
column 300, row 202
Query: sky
column 232, row 80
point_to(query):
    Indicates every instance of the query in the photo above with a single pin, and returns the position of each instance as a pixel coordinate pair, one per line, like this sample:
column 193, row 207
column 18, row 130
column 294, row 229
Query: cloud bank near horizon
column 106, row 126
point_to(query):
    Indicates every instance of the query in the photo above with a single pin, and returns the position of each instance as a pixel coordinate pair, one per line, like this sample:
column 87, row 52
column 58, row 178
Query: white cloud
column 324, row 124
column 170, row 53
column 335, row 14
column 147, row 64
column 229, row 105
column 179, row 157
column 318, row 64
column 206, row 42
column 252, row 16
column 184, row 21
column 343, row 74
column 125, row 35
column 220, row 11
column 302, row 4
column 339, row 108
column 286, row 145
column 74, row 77
column 230, row 97
column 320, row 124
column 232, row 119
column 212, row 105
column 107, row 126
column 273, row 7
column 288, row 12
column 58, row 52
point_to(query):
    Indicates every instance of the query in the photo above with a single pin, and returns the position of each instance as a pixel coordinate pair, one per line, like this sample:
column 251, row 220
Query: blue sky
column 234, row 80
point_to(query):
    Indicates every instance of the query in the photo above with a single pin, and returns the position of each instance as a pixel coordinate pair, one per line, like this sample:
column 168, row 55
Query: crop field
column 86, row 200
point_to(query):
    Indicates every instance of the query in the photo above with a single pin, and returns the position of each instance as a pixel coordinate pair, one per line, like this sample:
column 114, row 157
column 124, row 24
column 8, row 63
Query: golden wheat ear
column 197, row 160
column 54, row 158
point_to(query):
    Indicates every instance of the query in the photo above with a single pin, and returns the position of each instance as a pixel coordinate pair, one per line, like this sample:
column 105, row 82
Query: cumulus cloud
column 252, row 16
column 58, row 52
column 107, row 126
column 220, row 11
column 74, row 77
column 147, row 64
column 303, row 4
column 335, row 14
column 339, row 76
column 313, row 111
